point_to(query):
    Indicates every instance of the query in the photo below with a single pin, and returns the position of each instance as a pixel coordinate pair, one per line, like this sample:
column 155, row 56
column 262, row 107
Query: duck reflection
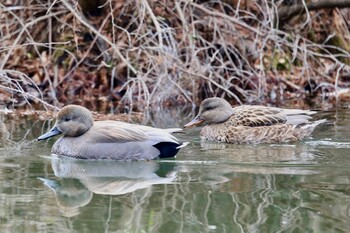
column 4, row 134
column 263, row 153
column 80, row 179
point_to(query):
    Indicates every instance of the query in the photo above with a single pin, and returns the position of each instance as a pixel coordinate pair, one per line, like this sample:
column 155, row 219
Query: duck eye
column 209, row 108
column 67, row 119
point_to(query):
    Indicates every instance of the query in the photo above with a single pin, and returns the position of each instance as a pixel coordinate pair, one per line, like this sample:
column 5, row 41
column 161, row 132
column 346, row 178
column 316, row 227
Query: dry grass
column 146, row 53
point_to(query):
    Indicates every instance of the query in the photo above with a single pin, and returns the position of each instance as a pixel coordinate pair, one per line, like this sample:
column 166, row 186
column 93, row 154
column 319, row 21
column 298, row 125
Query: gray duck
column 85, row 139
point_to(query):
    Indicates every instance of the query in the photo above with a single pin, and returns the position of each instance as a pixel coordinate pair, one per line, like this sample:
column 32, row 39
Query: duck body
column 85, row 139
column 252, row 124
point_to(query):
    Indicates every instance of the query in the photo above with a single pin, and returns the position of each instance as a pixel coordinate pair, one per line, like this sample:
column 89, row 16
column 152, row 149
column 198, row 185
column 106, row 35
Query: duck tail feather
column 173, row 130
column 314, row 124
column 182, row 145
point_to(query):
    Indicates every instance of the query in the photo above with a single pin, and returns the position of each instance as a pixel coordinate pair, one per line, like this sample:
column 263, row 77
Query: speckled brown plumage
column 252, row 124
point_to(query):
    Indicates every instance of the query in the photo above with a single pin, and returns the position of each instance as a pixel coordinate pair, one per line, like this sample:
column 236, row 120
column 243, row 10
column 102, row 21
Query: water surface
column 208, row 187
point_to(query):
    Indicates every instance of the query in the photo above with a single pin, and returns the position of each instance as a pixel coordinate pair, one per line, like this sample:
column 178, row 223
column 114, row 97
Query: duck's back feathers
column 109, row 132
column 254, row 116
column 115, row 131
column 298, row 116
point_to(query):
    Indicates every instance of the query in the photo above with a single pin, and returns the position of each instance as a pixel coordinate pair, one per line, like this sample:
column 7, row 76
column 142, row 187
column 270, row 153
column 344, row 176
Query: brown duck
column 252, row 124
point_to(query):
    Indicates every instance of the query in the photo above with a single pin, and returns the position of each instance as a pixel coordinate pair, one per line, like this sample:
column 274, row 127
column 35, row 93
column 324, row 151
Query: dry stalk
column 163, row 51
column 15, row 86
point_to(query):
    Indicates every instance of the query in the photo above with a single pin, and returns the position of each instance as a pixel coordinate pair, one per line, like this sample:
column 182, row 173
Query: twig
column 155, row 22
column 88, row 25
column 287, row 12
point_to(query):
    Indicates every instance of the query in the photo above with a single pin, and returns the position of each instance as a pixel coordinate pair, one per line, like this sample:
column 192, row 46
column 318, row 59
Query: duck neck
column 222, row 116
column 86, row 126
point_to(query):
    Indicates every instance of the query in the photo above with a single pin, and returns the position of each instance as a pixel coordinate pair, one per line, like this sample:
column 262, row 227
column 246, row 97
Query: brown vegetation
column 143, row 52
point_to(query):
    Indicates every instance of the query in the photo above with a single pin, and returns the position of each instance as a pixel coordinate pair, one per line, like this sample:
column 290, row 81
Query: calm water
column 209, row 187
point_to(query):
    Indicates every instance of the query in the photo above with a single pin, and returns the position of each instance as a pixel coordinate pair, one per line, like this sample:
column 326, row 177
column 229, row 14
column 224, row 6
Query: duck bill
column 53, row 132
column 196, row 121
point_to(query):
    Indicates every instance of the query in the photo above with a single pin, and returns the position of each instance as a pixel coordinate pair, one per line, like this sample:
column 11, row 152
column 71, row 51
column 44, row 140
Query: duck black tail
column 167, row 149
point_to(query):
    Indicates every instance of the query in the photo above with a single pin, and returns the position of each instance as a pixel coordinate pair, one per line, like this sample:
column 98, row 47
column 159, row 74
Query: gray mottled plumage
column 252, row 124
column 85, row 139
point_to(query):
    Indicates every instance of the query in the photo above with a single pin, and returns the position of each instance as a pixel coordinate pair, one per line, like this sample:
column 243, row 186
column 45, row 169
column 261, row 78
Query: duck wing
column 116, row 131
column 253, row 116
column 124, row 141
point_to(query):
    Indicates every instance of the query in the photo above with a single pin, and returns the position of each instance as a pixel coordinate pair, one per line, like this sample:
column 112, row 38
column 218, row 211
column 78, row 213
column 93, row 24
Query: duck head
column 212, row 110
column 72, row 121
